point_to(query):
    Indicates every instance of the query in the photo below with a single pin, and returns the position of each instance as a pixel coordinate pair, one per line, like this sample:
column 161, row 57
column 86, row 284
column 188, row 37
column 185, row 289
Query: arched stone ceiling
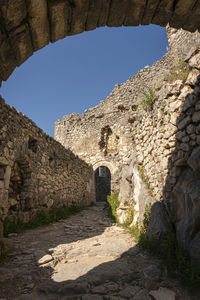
column 28, row 25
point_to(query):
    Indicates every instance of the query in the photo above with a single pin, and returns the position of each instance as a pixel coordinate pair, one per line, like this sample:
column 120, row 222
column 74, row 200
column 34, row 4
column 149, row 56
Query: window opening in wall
column 32, row 145
column 102, row 183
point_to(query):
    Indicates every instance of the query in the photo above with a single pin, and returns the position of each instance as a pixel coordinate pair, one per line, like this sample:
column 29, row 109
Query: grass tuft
column 16, row 225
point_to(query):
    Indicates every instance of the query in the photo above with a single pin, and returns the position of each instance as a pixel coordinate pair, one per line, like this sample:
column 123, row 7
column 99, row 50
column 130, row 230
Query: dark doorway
column 102, row 183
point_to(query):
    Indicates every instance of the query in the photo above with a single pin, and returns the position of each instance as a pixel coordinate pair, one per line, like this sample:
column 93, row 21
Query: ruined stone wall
column 36, row 172
column 159, row 141
column 110, row 132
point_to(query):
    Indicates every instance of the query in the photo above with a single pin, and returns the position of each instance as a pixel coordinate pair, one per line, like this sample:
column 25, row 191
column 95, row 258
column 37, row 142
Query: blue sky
column 76, row 73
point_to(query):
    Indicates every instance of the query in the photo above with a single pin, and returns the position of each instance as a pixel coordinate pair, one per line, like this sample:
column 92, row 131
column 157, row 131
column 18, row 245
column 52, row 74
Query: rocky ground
column 84, row 257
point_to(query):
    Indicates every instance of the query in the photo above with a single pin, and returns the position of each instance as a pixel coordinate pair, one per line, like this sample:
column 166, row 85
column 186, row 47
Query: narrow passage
column 84, row 257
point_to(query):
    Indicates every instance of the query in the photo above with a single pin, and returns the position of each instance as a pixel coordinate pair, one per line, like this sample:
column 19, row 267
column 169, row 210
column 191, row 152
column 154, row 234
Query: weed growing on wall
column 144, row 177
column 129, row 214
column 148, row 94
column 179, row 71
column 113, row 205
column 40, row 219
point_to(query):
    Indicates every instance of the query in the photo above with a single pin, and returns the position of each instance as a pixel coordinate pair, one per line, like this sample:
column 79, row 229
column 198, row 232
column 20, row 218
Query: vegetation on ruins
column 113, row 205
column 180, row 71
column 148, row 94
column 44, row 217
column 144, row 177
column 167, row 248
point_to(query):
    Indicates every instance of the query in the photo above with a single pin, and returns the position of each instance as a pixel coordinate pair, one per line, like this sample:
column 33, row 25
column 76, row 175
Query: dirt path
column 84, row 257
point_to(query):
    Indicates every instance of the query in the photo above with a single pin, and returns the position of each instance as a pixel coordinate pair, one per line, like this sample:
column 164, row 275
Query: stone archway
column 29, row 25
column 102, row 183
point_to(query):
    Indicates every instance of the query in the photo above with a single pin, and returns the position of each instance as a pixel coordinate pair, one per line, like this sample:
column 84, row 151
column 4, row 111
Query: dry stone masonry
column 158, row 142
column 36, row 172
column 28, row 25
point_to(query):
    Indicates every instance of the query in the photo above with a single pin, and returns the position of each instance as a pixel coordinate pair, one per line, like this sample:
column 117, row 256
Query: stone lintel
column 103, row 16
column 13, row 12
column 193, row 21
column 135, row 12
column 94, row 12
column 79, row 16
column 7, row 59
column 38, row 21
column 149, row 12
column 180, row 18
column 21, row 43
column 164, row 12
column 59, row 15
column 117, row 13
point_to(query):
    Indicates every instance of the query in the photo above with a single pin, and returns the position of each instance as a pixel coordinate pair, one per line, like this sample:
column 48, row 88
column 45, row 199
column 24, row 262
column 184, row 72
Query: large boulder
column 159, row 221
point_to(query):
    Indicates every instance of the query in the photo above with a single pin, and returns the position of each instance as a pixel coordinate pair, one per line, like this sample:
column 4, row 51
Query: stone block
column 175, row 105
column 194, row 62
column 189, row 102
column 149, row 12
column 39, row 24
column 59, row 15
column 7, row 60
column 159, row 222
column 13, row 12
column 163, row 294
column 1, row 229
column 7, row 177
column 164, row 12
column 135, row 13
column 117, row 13
column 192, row 77
column 21, row 44
column 79, row 16
column 182, row 124
column 194, row 161
column 196, row 117
column 94, row 12
column 103, row 17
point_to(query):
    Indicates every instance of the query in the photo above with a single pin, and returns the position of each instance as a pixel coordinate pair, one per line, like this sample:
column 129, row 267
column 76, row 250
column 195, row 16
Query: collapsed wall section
column 36, row 172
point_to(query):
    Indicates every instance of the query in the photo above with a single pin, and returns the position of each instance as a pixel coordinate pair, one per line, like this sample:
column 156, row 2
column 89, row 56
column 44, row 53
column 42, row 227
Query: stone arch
column 29, row 25
column 105, row 163
column 102, row 183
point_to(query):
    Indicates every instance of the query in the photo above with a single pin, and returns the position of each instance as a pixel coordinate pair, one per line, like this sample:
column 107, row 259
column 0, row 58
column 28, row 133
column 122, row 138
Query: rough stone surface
column 27, row 26
column 159, row 221
column 36, row 172
column 91, row 259
column 163, row 294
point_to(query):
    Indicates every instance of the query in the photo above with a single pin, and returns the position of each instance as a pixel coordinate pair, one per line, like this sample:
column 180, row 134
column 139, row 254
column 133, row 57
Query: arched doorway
column 102, row 183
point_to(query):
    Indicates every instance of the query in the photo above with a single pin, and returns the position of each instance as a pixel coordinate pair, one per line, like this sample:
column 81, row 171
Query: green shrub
column 169, row 250
column 148, row 94
column 44, row 217
column 179, row 71
column 144, row 177
column 113, row 205
column 129, row 214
